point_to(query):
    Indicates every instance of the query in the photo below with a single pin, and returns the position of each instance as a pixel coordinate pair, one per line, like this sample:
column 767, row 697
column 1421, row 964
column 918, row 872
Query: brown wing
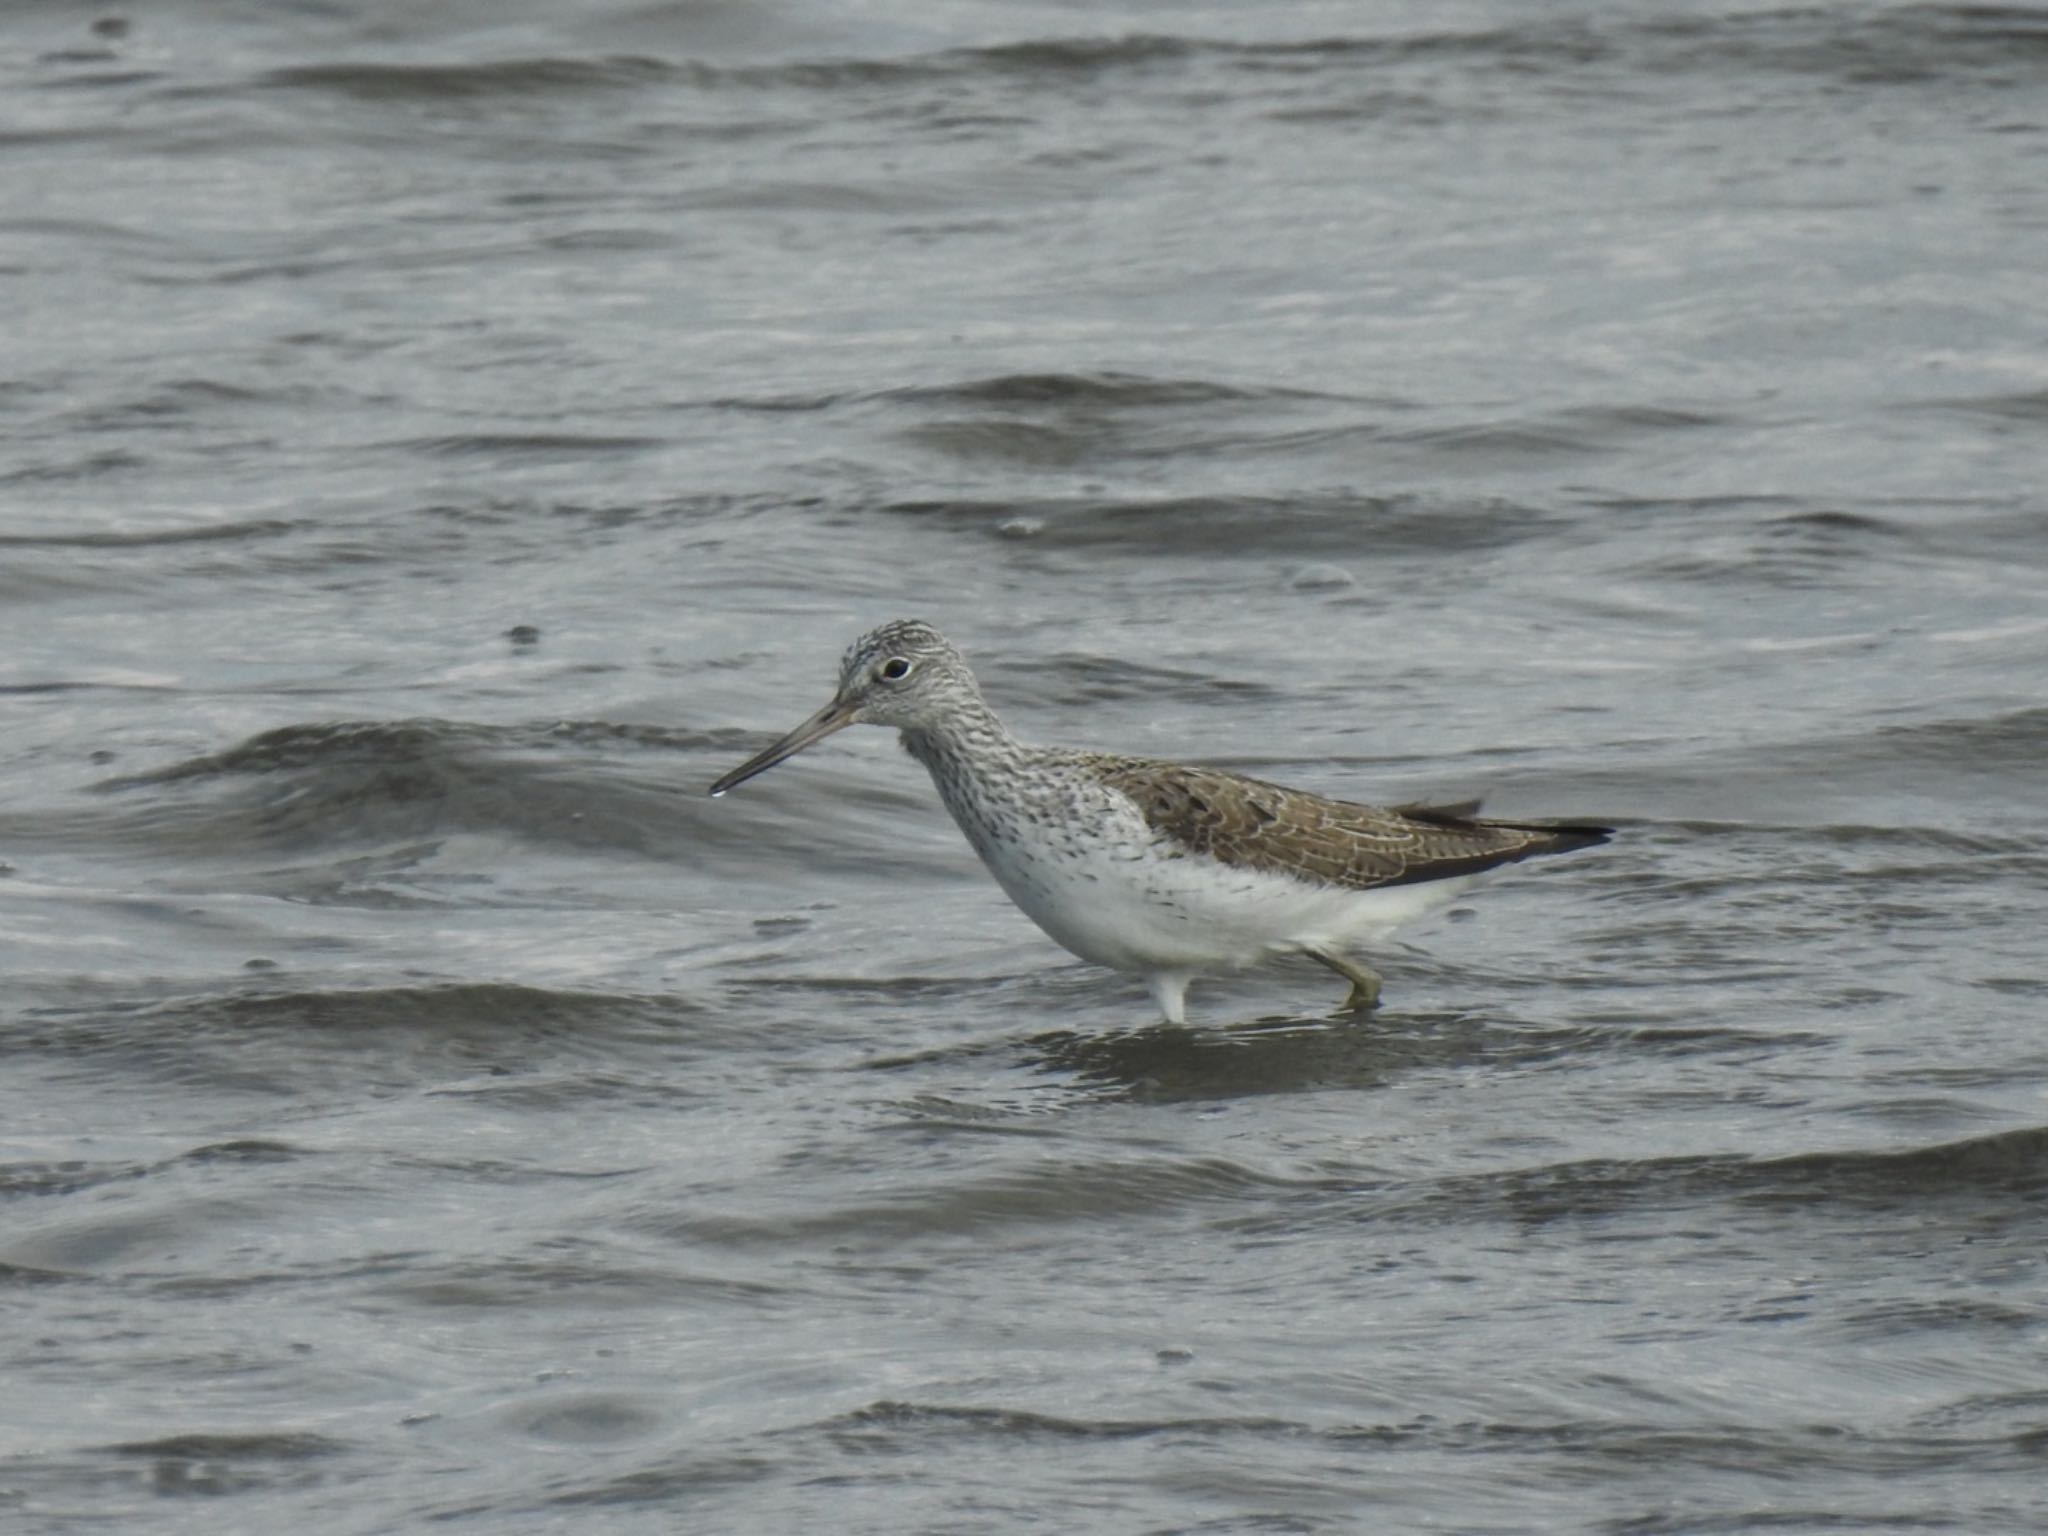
column 1268, row 826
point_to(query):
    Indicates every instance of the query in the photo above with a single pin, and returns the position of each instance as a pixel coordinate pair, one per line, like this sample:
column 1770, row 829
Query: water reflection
column 1165, row 1063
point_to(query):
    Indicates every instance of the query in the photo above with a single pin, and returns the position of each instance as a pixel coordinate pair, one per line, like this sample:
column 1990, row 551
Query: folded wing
column 1212, row 813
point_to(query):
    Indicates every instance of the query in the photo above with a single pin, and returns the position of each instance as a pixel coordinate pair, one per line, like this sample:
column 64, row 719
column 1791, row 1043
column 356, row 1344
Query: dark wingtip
column 1558, row 836
column 1565, row 835
column 1457, row 813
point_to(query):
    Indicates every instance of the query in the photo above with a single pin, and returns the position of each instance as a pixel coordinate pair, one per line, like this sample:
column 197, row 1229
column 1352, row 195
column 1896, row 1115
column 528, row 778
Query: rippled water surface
column 438, row 440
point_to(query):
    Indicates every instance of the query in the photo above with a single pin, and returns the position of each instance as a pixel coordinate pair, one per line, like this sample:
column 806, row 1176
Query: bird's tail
column 1562, row 836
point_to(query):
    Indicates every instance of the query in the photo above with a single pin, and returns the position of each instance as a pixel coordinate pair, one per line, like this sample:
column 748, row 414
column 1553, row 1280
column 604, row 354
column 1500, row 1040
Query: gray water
column 438, row 440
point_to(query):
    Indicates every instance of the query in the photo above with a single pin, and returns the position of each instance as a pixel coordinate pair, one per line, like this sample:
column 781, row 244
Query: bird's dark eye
column 894, row 670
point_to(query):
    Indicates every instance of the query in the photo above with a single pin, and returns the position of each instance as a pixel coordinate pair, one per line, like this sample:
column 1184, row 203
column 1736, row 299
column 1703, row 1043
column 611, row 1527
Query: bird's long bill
column 833, row 717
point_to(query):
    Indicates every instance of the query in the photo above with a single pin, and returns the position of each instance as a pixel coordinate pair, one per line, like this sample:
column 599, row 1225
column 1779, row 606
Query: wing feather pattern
column 1249, row 822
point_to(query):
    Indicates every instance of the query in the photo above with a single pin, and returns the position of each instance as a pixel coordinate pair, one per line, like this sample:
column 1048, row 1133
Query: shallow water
column 439, row 442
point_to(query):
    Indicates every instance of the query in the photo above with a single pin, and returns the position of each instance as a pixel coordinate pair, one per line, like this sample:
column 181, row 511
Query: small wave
column 272, row 1445
column 366, row 813
column 2010, row 741
column 449, row 1008
column 284, row 1043
column 530, row 1284
column 1604, row 419
column 21, row 1276
column 1579, row 430
column 1081, row 419
column 401, row 787
column 1997, row 1167
column 1896, row 45
column 368, row 81
column 1051, row 1191
column 1110, row 390
column 1318, row 523
column 306, row 746
column 1887, row 1320
column 894, row 1417
column 1077, row 58
column 1087, row 419
column 518, row 444
column 1805, row 548
column 67, row 1178
column 2027, row 406
column 1105, row 389
column 1960, row 44
column 1831, row 523
column 1498, row 440
column 151, row 538
column 248, row 1149
column 1077, row 677
column 1599, row 1448
column 1024, row 444
column 382, row 741
column 1292, row 1054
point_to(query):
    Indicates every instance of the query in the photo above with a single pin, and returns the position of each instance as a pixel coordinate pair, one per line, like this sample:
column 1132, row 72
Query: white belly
column 1127, row 905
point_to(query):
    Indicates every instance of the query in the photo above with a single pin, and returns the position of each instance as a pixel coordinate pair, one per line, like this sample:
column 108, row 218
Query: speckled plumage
column 1160, row 868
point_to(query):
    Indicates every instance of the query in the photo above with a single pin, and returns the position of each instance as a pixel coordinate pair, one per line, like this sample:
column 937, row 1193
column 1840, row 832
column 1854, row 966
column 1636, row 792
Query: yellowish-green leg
column 1365, row 982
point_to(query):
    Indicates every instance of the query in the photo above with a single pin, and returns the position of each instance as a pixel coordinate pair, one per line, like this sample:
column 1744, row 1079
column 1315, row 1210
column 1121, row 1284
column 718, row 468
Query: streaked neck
column 968, row 744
